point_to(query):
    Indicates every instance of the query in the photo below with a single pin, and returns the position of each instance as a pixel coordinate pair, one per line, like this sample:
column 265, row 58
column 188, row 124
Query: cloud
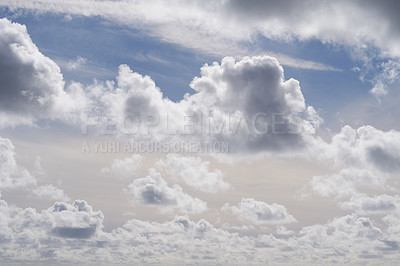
column 32, row 86
column 76, row 220
column 382, row 204
column 235, row 27
column 13, row 176
column 341, row 233
column 154, row 190
column 364, row 169
column 389, row 75
column 246, row 103
column 31, row 236
column 242, row 102
column 49, row 192
column 241, row 98
column 259, row 212
column 78, row 63
column 125, row 167
column 194, row 172
column 25, row 227
column 252, row 102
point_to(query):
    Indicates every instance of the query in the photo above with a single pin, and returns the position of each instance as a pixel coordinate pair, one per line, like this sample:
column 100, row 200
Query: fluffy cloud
column 194, row 172
column 22, row 230
column 32, row 86
column 251, row 104
column 259, row 212
column 247, row 104
column 154, row 190
column 124, row 167
column 366, row 150
column 381, row 204
column 367, row 163
column 76, row 220
column 13, row 176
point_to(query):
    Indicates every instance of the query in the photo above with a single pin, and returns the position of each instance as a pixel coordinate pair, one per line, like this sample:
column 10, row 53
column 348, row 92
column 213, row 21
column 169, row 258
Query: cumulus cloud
column 194, row 172
column 25, row 227
column 154, row 190
column 247, row 104
column 14, row 176
column 259, row 212
column 381, row 204
column 124, row 167
column 341, row 232
column 32, row 86
column 251, row 104
column 76, row 220
column 366, row 161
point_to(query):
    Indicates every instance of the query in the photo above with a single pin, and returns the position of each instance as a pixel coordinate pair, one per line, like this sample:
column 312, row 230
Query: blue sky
column 113, row 115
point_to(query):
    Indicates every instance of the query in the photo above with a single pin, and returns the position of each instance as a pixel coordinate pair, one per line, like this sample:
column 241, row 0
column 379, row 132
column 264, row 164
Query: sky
column 199, row 132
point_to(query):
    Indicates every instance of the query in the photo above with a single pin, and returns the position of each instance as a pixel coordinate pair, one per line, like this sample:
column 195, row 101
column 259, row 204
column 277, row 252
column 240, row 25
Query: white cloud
column 388, row 77
column 124, row 167
column 154, row 190
column 365, row 168
column 77, row 64
column 351, row 236
column 76, row 220
column 32, row 84
column 259, row 212
column 14, row 176
column 187, row 24
column 382, row 204
column 21, row 63
column 194, row 172
column 49, row 192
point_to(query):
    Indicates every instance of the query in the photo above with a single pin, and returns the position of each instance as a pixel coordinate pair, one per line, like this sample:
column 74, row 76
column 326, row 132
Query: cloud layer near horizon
column 53, row 235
